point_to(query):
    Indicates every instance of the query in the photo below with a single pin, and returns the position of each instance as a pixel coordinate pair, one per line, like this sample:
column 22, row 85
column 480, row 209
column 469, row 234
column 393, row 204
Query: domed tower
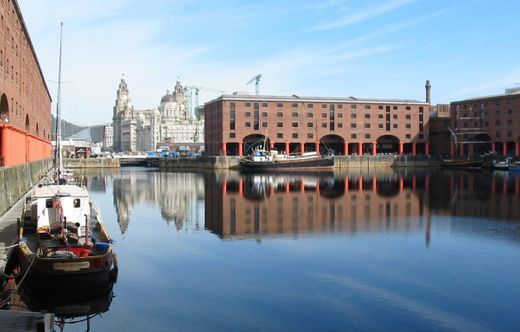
column 168, row 105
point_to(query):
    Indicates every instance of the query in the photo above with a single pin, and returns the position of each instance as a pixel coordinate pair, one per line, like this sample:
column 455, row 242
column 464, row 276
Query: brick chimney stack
column 428, row 92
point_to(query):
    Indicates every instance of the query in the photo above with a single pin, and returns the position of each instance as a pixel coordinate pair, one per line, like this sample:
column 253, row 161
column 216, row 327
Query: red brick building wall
column 25, row 103
column 485, row 124
column 235, row 123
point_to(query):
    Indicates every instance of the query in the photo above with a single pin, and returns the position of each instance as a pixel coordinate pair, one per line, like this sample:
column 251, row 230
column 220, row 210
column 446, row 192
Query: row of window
column 311, row 135
column 508, row 101
column 311, row 105
column 323, row 115
column 324, row 125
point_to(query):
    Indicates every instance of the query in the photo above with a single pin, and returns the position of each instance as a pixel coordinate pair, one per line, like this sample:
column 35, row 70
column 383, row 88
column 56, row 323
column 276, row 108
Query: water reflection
column 69, row 309
column 176, row 194
column 360, row 201
column 238, row 205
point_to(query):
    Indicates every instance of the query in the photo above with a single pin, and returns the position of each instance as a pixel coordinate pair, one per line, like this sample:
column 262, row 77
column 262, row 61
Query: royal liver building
column 171, row 124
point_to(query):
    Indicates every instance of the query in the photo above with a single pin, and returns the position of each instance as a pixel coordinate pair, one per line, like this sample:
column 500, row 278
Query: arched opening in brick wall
column 387, row 144
column 4, row 109
column 332, row 143
column 255, row 141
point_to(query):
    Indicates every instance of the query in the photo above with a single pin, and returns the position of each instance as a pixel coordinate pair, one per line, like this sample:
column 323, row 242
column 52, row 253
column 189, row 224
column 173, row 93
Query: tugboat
column 262, row 160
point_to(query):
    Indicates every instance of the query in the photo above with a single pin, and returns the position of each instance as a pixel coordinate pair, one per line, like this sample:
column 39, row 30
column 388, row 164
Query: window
column 408, row 108
column 279, row 105
column 279, row 124
column 294, row 135
column 310, row 105
column 395, row 125
column 248, row 114
column 264, row 124
column 294, row 114
column 380, row 107
column 323, row 105
column 395, row 116
column 380, row 126
column 248, row 124
column 353, row 125
column 323, row 125
column 340, row 115
column 340, row 125
column 367, row 125
column 353, row 115
column 353, row 106
column 340, row 106
column 408, row 136
column 279, row 135
column 408, row 117
column 310, row 124
column 294, row 124
column 367, row 116
column 324, row 115
column 367, row 107
column 310, row 135
column 264, row 114
column 294, row 105
column 279, row 114
column 310, row 115
column 367, row 135
column 248, row 104
column 380, row 116
column 408, row 126
column 353, row 135
column 394, row 108
column 264, row 104
column 232, row 135
column 77, row 203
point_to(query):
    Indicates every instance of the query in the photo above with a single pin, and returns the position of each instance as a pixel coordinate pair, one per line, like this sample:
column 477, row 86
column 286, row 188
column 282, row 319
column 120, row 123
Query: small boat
column 262, row 160
column 501, row 165
column 462, row 163
column 62, row 243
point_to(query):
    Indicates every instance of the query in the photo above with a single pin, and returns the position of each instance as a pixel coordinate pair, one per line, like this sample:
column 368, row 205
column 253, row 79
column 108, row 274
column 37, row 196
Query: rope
column 9, row 247
column 26, row 273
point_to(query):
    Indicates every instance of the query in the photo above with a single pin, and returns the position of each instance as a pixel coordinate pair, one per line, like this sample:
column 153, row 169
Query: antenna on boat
column 58, row 161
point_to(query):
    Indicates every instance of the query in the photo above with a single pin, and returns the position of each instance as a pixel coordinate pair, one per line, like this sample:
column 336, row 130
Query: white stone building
column 170, row 124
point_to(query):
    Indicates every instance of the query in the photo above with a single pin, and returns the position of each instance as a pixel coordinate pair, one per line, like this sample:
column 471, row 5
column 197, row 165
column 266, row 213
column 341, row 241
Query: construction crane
column 256, row 79
column 189, row 94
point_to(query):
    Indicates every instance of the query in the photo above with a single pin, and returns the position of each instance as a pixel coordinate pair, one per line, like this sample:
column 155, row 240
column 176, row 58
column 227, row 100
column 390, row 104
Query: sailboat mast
column 58, row 157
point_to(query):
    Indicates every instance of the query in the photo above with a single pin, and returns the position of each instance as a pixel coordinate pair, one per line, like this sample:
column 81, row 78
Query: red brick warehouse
column 25, row 103
column 235, row 124
column 484, row 124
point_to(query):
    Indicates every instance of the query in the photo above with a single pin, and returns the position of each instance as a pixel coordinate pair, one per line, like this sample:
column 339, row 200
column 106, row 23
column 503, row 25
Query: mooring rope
column 9, row 247
column 25, row 274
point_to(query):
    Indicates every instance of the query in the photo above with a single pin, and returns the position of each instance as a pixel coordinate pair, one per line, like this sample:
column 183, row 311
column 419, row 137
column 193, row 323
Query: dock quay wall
column 91, row 163
column 205, row 162
column 369, row 161
column 15, row 181
column 340, row 162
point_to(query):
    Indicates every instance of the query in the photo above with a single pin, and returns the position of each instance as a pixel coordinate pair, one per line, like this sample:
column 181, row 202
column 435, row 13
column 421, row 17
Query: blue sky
column 374, row 49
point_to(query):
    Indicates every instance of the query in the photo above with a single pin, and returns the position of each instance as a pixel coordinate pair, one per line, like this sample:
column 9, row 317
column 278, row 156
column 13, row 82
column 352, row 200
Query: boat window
column 48, row 203
column 77, row 203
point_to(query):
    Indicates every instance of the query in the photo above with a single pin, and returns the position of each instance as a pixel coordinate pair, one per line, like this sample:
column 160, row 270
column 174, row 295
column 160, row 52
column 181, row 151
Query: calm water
column 340, row 251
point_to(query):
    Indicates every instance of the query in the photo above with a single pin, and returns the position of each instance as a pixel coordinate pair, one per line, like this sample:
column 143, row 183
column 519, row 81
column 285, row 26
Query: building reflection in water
column 179, row 196
column 238, row 205
column 359, row 201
